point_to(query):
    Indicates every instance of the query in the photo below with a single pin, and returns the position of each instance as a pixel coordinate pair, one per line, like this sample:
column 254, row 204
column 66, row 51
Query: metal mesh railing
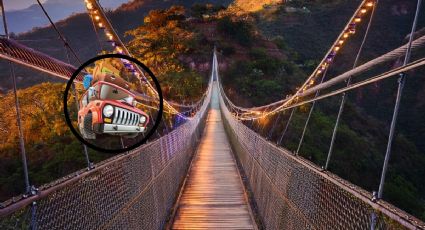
column 13, row 51
column 292, row 193
column 131, row 191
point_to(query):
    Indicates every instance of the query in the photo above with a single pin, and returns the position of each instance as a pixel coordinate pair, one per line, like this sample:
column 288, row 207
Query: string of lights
column 349, row 30
column 101, row 21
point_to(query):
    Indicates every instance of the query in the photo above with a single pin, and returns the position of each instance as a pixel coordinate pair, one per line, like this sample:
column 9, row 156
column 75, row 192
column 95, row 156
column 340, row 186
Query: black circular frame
column 158, row 117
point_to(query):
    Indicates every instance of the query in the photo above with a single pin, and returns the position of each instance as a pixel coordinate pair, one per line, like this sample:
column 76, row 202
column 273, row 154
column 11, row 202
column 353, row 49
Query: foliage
column 199, row 10
column 303, row 40
column 161, row 40
column 264, row 78
column 236, row 29
column 51, row 148
column 170, row 46
column 183, row 85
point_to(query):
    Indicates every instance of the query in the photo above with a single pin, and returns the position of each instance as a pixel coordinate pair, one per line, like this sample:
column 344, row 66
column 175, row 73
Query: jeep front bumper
column 119, row 129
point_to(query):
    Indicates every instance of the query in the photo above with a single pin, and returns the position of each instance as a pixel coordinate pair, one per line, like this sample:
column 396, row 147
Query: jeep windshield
column 109, row 92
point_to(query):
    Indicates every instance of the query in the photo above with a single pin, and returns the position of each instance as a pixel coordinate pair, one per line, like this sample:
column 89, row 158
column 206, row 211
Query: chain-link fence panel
column 292, row 193
column 135, row 190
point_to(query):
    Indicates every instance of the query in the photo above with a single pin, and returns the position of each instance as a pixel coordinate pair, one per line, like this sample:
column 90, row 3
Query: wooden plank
column 213, row 197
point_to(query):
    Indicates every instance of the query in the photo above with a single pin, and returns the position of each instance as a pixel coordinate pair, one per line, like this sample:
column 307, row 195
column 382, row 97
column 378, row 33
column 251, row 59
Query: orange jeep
column 107, row 108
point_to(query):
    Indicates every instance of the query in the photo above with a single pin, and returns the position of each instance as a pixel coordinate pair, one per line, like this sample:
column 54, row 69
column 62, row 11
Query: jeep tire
column 88, row 132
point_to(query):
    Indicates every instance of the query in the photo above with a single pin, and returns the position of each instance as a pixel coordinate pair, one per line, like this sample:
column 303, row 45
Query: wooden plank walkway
column 213, row 196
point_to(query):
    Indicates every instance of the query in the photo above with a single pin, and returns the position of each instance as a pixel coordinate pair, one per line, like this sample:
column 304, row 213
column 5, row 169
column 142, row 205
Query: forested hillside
column 265, row 52
column 303, row 31
column 79, row 32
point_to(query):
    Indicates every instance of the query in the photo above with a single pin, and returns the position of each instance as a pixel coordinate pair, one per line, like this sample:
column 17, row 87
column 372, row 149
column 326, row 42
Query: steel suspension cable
column 401, row 83
column 274, row 126
column 392, row 55
column 77, row 106
column 309, row 115
column 58, row 32
column 29, row 190
column 287, row 125
column 286, row 102
column 343, row 97
column 18, row 111
column 68, row 48
column 97, row 35
column 411, row 66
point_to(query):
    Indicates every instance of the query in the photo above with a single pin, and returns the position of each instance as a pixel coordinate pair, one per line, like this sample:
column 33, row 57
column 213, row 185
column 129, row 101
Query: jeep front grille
column 125, row 117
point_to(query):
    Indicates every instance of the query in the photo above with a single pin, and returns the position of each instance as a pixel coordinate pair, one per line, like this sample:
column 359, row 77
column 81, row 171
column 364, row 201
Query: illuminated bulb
column 357, row 19
column 97, row 17
column 369, row 4
column 346, row 35
column 319, row 71
column 89, row 6
column 110, row 37
column 311, row 82
column 337, row 48
column 363, row 11
column 100, row 24
column 341, row 42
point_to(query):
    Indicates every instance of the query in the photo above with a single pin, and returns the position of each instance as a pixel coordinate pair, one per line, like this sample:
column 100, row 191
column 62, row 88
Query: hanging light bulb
column 357, row 19
column 100, row 25
column 341, row 42
column 337, row 48
column 97, row 18
column 109, row 36
column 363, row 10
column 369, row 4
column 89, row 6
column 352, row 28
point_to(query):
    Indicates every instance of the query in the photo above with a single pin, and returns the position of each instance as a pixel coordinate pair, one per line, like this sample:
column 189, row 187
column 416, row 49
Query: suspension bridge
column 213, row 171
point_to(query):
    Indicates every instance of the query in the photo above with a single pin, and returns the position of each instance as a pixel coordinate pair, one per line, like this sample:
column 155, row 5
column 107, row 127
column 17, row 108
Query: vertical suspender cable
column 344, row 95
column 18, row 112
column 58, row 32
column 309, row 115
column 97, row 35
column 287, row 125
column 68, row 47
column 274, row 126
column 401, row 82
column 74, row 92
column 29, row 190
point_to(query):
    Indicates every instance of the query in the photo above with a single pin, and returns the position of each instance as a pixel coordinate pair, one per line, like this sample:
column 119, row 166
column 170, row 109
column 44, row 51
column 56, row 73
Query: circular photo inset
column 113, row 103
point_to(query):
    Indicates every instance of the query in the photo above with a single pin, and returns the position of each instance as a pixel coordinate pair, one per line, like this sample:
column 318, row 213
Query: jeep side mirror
column 92, row 92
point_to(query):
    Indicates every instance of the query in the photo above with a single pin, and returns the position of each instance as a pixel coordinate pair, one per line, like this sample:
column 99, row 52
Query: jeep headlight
column 108, row 110
column 142, row 119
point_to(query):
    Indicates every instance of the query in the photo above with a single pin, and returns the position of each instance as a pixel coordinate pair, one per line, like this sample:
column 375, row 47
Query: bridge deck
column 213, row 196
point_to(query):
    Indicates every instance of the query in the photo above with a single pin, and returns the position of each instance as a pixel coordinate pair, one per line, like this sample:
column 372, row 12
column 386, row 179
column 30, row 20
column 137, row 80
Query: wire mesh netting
column 135, row 190
column 292, row 193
